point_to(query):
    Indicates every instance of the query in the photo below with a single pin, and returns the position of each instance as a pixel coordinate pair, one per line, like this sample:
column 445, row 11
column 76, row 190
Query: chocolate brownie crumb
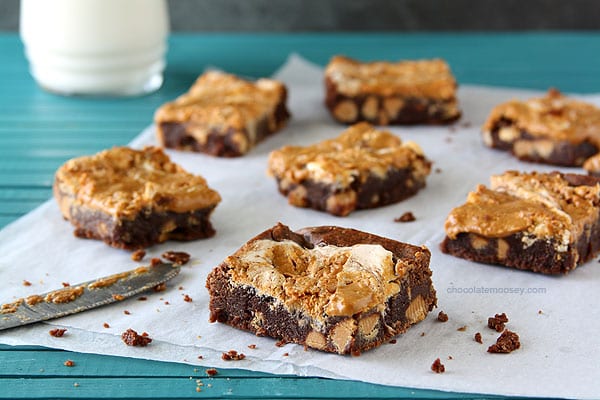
column 232, row 355
column 143, row 298
column 176, row 257
column 393, row 341
column 69, row 363
column 66, row 284
column 211, row 372
column 450, row 358
column 180, row 288
column 26, row 282
column 138, row 255
column 161, row 287
column 200, row 357
column 478, row 338
column 126, row 312
column 506, row 343
column 406, row 217
column 462, row 328
column 252, row 346
column 497, row 322
column 131, row 338
column 155, row 261
column 438, row 367
column 438, row 170
column 422, row 334
column 442, row 317
column 187, row 298
column 540, row 312
column 280, row 343
column 106, row 325
column 57, row 332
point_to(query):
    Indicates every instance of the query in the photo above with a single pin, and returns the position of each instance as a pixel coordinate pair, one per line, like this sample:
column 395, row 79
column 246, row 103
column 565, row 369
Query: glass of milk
column 96, row 47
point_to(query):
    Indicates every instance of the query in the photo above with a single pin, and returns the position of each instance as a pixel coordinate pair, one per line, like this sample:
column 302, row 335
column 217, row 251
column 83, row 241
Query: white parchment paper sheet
column 560, row 346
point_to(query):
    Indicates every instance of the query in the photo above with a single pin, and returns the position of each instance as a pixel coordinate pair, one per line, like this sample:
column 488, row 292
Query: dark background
column 363, row 15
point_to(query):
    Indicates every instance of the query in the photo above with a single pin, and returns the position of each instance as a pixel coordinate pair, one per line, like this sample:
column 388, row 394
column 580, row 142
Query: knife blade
column 84, row 296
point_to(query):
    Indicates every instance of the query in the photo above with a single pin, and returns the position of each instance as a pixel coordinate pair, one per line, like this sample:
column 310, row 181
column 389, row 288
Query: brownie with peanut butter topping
column 223, row 115
column 542, row 222
column 362, row 168
column 386, row 93
column 333, row 289
column 133, row 199
column 553, row 129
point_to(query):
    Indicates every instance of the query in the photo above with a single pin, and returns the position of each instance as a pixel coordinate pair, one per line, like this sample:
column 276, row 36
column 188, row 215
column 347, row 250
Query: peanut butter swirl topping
column 554, row 115
column 223, row 100
column 325, row 281
column 422, row 78
column 539, row 205
column 359, row 151
column 124, row 182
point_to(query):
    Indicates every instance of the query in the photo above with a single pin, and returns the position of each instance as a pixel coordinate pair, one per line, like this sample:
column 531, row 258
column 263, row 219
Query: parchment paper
column 557, row 318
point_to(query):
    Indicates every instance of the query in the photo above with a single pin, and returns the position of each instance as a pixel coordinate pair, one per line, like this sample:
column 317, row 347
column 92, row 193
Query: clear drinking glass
column 96, row 47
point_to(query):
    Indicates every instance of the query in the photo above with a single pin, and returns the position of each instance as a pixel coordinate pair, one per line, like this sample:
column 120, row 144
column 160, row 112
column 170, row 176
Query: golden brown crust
column 539, row 205
column 123, row 182
column 357, row 153
column 421, row 79
column 553, row 116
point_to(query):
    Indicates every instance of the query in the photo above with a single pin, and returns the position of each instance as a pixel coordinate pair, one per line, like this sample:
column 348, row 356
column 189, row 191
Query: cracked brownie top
column 224, row 100
column 123, row 182
column 358, row 152
column 554, row 116
column 539, row 205
column 420, row 78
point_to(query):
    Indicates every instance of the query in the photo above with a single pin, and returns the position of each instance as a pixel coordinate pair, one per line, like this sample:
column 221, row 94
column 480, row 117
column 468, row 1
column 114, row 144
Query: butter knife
column 84, row 296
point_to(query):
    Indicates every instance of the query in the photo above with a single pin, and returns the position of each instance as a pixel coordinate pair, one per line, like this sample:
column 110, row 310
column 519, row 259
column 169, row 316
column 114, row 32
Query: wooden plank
column 202, row 387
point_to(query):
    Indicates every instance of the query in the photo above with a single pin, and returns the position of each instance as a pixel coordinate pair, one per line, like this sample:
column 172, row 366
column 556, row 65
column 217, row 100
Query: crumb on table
column 138, row 255
column 132, row 338
column 477, row 338
column 442, row 317
column 176, row 257
column 507, row 342
column 497, row 322
column 57, row 332
column 406, row 217
column 438, row 367
column 232, row 355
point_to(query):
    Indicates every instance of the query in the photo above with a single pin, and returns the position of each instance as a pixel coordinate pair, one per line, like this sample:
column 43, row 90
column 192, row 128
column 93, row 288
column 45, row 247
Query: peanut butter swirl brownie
column 362, row 168
column 385, row 93
column 223, row 115
column 334, row 289
column 132, row 199
column 542, row 222
column 553, row 129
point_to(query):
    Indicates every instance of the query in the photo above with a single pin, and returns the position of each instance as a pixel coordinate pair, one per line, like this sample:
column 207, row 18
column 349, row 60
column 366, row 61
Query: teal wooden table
column 39, row 131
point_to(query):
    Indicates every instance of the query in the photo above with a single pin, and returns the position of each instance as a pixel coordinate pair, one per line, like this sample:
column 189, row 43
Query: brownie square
column 223, row 115
column 541, row 222
column 553, row 129
column 333, row 289
column 385, row 93
column 362, row 168
column 133, row 199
